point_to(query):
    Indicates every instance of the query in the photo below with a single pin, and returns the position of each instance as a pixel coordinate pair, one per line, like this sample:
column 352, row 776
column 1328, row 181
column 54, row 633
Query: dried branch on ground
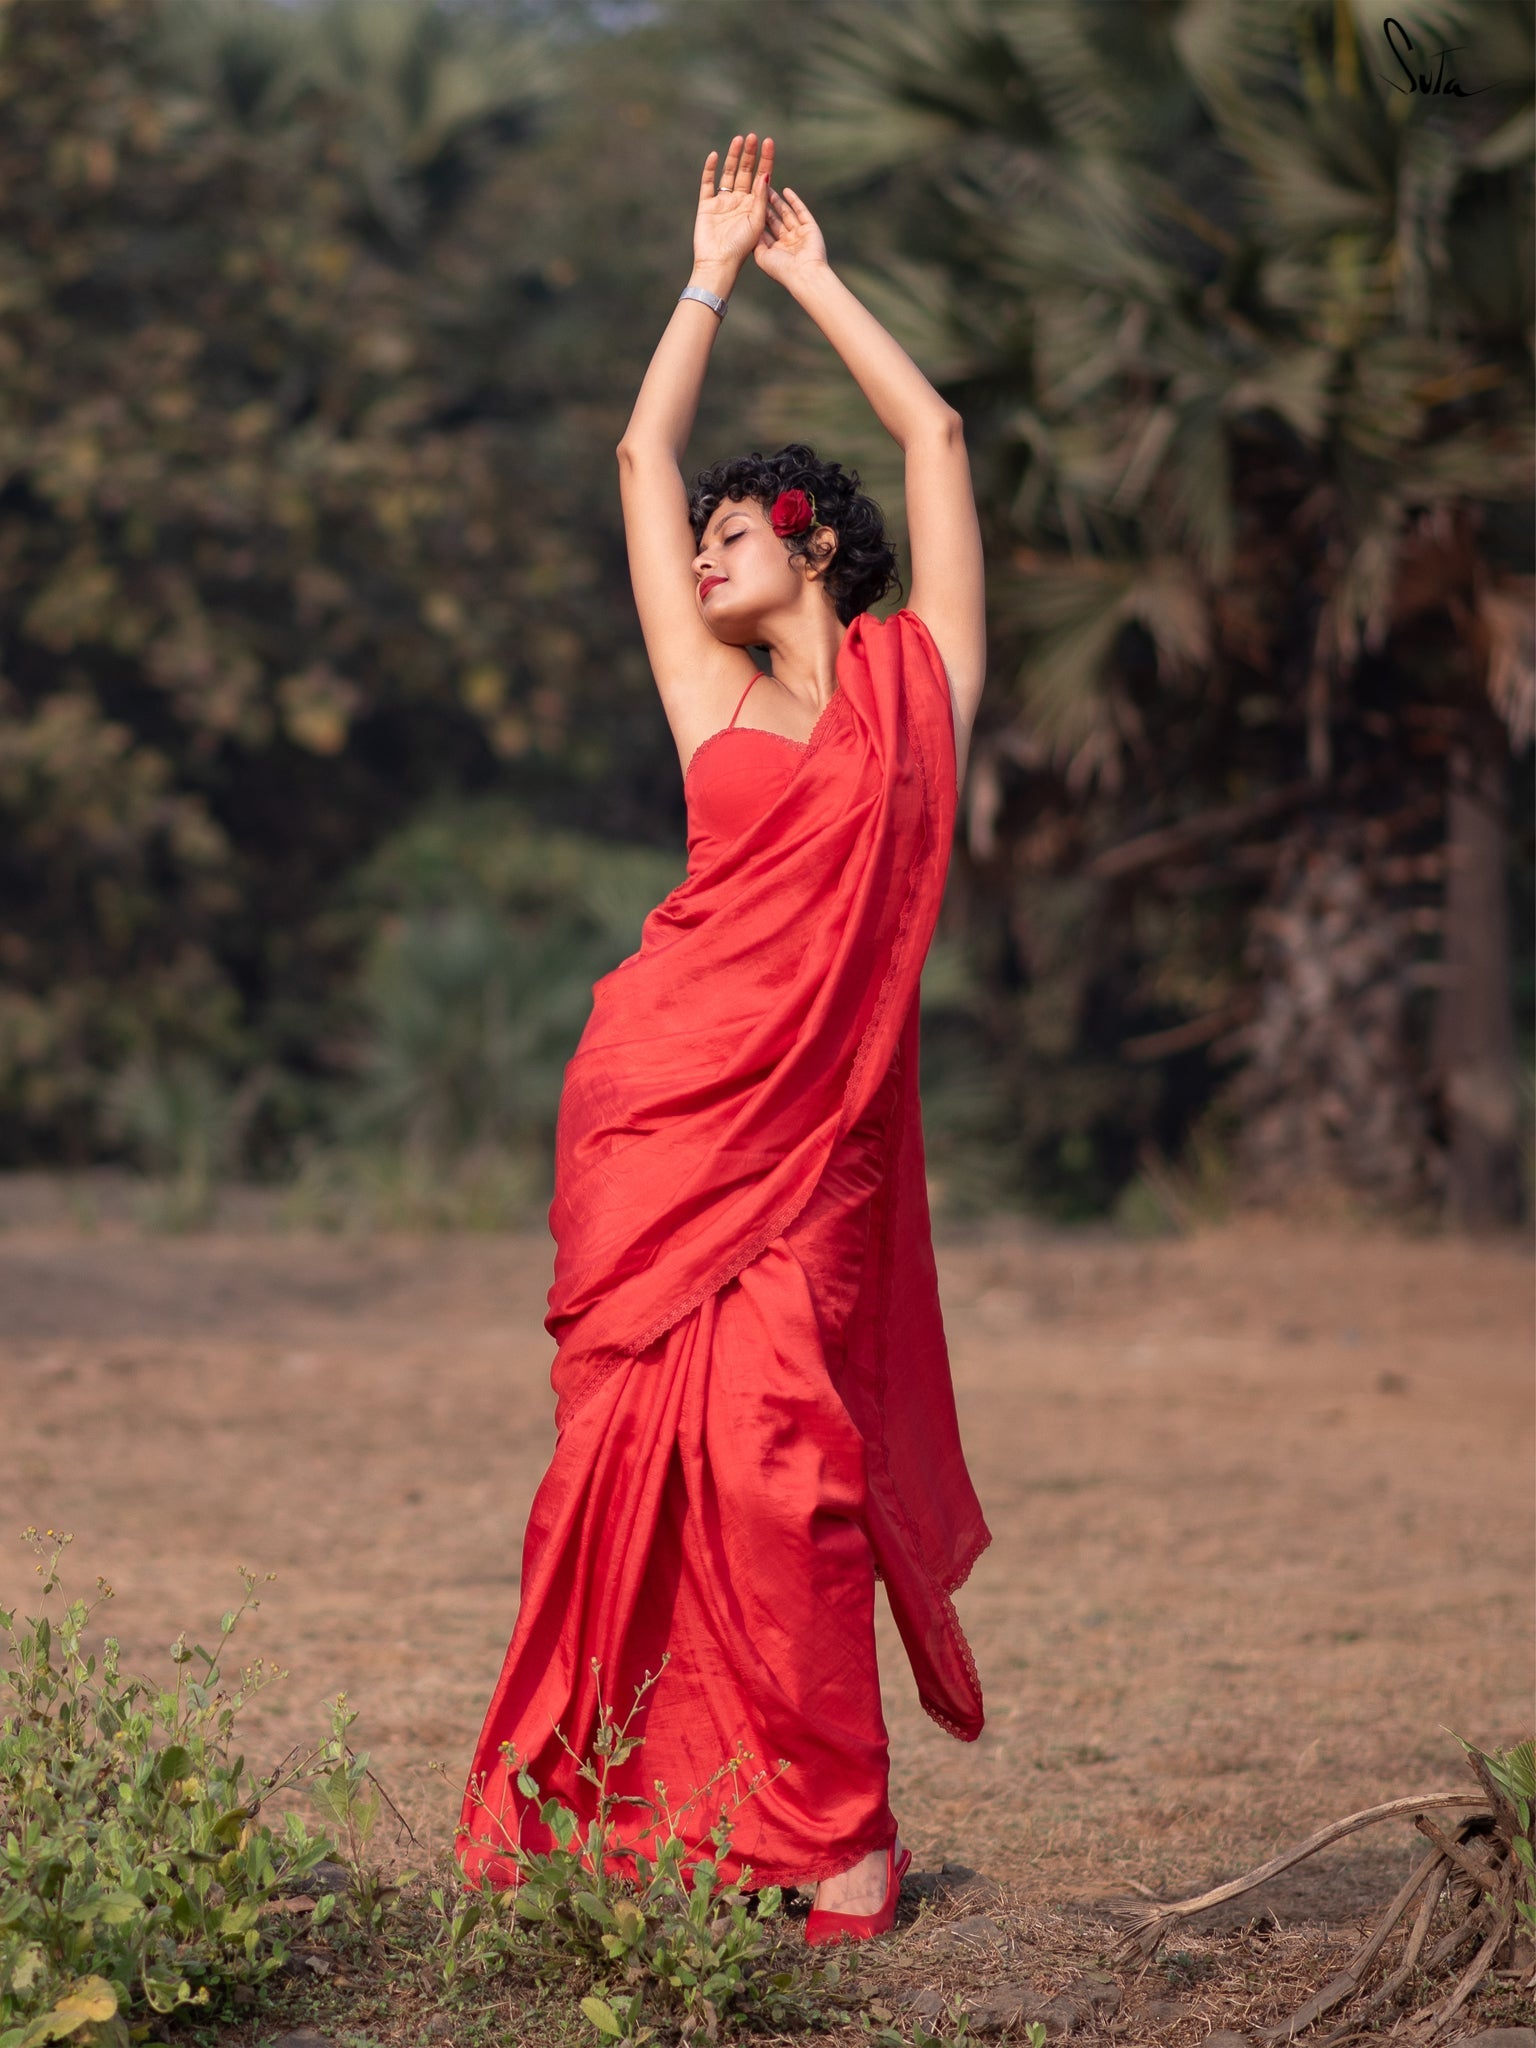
column 1475, row 1890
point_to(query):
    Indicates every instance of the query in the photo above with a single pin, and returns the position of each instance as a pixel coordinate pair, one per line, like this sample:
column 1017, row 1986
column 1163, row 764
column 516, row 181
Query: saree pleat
column 754, row 1406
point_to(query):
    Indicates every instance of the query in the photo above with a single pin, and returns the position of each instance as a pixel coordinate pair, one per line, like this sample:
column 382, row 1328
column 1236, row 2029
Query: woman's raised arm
column 693, row 669
column 942, row 528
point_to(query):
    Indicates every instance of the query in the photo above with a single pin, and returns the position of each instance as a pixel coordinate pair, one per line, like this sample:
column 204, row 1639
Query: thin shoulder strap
column 743, row 698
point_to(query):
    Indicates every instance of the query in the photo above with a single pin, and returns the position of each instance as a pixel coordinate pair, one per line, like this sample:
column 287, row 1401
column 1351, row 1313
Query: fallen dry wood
column 1349, row 1979
column 1148, row 1935
column 1483, row 1876
column 1406, row 1964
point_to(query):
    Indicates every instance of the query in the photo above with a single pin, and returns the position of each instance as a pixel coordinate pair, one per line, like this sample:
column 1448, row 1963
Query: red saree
column 754, row 1404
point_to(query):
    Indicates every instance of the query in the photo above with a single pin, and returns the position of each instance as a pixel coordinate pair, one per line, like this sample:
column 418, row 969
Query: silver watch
column 697, row 291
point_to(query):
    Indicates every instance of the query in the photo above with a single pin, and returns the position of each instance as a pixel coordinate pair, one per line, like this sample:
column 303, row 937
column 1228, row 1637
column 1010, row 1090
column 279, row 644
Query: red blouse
column 734, row 779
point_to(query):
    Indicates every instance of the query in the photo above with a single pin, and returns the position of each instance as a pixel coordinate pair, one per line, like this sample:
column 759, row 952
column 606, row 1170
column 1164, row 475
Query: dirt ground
column 1261, row 1500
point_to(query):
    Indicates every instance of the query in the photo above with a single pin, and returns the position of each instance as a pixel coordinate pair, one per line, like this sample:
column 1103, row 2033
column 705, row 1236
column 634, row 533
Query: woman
column 755, row 1410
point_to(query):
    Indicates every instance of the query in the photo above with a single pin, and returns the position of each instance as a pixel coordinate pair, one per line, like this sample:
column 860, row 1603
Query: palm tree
column 1242, row 333
column 431, row 90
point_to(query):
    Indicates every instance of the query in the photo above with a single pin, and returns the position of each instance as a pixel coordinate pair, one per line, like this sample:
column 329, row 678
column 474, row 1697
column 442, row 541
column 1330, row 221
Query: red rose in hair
column 792, row 512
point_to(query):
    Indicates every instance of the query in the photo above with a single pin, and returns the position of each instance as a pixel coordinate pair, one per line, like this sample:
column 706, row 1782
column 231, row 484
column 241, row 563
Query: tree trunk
column 1475, row 1058
column 1329, row 1094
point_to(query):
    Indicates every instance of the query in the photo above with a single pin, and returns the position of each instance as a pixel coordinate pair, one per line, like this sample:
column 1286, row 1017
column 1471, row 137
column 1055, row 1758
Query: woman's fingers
column 748, row 169
column 743, row 169
column 734, row 196
column 782, row 225
column 762, row 185
column 790, row 237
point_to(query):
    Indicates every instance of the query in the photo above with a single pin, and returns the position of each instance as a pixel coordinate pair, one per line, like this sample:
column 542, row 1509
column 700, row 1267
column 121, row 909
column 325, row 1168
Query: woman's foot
column 860, row 1890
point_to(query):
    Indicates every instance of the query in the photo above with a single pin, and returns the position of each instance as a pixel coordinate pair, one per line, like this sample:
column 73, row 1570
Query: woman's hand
column 791, row 244
column 731, row 220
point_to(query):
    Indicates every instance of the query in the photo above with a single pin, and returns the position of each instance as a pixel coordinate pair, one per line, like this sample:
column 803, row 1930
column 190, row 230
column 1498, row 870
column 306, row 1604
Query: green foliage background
column 331, row 773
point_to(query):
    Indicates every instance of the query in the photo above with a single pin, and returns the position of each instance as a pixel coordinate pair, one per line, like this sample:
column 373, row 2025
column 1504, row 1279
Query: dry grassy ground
column 1261, row 1499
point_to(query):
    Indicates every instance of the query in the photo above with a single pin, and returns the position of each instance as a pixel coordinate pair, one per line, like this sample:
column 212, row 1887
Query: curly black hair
column 864, row 567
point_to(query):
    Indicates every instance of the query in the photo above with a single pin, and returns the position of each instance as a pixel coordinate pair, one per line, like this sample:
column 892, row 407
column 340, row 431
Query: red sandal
column 821, row 1928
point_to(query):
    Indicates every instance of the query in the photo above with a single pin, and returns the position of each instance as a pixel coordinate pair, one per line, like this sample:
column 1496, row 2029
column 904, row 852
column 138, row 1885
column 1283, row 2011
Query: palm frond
column 1080, row 93
column 1165, row 598
column 1198, row 481
column 248, row 57
column 1087, row 233
column 1308, row 186
column 1062, row 685
column 1084, row 344
column 896, row 84
column 1037, row 81
column 1292, row 383
column 429, row 72
column 1071, row 616
column 1478, row 463
column 1383, row 408
column 1250, row 40
column 914, row 300
column 1429, row 22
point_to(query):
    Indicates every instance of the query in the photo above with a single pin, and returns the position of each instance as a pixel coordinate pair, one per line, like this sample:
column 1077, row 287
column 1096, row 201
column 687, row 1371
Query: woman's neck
column 803, row 651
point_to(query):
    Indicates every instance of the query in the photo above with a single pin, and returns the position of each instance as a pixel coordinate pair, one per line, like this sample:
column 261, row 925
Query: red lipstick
column 708, row 585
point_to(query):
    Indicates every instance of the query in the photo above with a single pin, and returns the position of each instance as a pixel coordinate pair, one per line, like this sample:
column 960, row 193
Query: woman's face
column 744, row 576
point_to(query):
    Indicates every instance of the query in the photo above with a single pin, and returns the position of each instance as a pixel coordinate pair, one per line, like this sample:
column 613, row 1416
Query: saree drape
column 754, row 1404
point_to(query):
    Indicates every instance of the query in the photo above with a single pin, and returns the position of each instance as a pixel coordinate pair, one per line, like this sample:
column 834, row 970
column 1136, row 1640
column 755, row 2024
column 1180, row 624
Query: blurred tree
column 428, row 93
column 319, row 328
column 259, row 572
column 485, row 937
column 320, row 325
column 1242, row 335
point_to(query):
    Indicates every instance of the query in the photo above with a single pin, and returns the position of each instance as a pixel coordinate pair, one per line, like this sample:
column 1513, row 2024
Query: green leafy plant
column 144, row 1875
column 184, row 1124
column 136, row 1864
column 671, row 1946
column 1511, row 1773
column 955, row 2033
column 478, row 936
column 351, row 1798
